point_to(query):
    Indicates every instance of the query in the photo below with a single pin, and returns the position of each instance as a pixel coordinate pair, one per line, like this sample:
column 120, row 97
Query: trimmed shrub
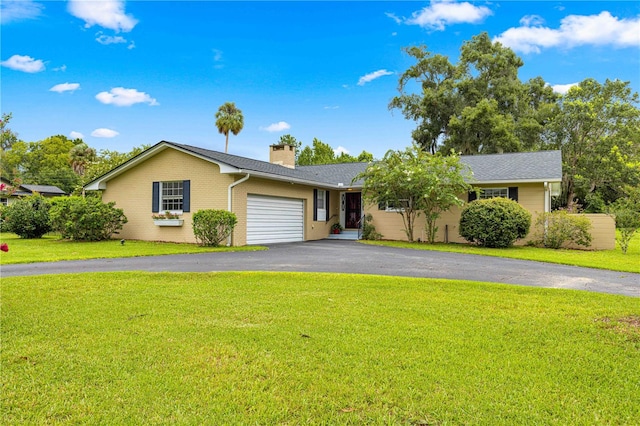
column 211, row 227
column 496, row 222
column 86, row 219
column 28, row 217
column 562, row 228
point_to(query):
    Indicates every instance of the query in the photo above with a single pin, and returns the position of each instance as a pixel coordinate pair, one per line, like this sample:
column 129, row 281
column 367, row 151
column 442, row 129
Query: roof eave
column 505, row 181
column 299, row 181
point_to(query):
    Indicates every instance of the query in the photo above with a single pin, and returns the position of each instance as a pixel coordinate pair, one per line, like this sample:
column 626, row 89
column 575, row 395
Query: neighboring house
column 276, row 201
column 26, row 190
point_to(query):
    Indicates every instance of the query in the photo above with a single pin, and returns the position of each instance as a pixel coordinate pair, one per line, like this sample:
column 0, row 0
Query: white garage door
column 274, row 220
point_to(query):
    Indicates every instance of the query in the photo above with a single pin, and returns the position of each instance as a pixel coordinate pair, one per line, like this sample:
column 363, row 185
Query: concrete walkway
column 353, row 257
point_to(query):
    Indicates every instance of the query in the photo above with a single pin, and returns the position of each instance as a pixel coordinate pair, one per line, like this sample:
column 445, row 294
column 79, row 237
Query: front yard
column 51, row 248
column 290, row 348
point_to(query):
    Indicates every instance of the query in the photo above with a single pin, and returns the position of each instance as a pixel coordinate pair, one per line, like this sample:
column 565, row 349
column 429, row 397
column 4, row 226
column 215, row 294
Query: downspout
column 547, row 197
column 238, row 182
column 547, row 207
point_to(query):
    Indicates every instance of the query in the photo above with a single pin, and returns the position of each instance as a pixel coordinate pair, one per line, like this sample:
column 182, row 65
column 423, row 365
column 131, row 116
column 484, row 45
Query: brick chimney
column 284, row 155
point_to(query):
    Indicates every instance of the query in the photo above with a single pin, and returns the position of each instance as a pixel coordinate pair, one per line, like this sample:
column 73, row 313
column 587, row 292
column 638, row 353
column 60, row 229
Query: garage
column 274, row 219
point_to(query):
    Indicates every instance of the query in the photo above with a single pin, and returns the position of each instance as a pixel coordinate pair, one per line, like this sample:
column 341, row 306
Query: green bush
column 496, row 222
column 557, row 228
column 211, row 227
column 86, row 219
column 3, row 218
column 28, row 217
column 626, row 211
column 369, row 230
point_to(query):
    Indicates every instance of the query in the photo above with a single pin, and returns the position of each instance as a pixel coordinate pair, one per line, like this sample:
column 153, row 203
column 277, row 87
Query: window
column 320, row 205
column 392, row 206
column 4, row 201
column 485, row 193
column 494, row 193
column 171, row 196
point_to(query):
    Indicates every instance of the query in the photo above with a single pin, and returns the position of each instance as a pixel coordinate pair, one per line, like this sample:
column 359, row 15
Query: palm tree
column 80, row 156
column 229, row 119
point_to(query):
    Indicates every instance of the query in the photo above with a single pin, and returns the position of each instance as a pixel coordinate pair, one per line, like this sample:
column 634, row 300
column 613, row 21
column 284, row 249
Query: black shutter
column 186, row 195
column 513, row 193
column 472, row 196
column 326, row 198
column 155, row 197
column 315, row 204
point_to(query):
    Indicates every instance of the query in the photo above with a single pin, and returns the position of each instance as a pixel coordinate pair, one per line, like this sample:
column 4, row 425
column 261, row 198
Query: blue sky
column 121, row 74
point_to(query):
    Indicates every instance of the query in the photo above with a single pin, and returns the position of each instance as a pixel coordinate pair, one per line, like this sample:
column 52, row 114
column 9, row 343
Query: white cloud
column 131, row 45
column 104, row 133
column 107, row 39
column 439, row 14
column 529, row 20
column 23, row 63
column 340, row 150
column 62, row 68
column 372, row 76
column 76, row 135
column 563, row 88
column 119, row 96
column 574, row 30
column 277, row 127
column 332, row 107
column 19, row 10
column 104, row 13
column 65, row 87
column 394, row 17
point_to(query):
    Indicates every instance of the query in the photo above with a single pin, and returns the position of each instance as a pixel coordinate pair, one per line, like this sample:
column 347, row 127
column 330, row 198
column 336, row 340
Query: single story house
column 25, row 190
column 277, row 201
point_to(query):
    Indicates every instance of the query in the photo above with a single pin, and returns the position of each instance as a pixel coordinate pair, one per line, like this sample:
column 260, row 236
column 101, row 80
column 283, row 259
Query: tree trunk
column 226, row 144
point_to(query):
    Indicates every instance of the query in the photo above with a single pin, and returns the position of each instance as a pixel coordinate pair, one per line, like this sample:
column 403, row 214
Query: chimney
column 284, row 155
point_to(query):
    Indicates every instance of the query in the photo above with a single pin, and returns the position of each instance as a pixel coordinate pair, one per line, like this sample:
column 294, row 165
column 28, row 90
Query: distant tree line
column 56, row 160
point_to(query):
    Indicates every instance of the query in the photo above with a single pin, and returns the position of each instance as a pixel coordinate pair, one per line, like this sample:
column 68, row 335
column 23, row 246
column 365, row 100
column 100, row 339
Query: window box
column 168, row 222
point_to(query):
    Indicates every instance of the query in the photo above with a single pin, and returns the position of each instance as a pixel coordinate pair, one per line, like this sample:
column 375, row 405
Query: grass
column 292, row 348
column 613, row 260
column 51, row 248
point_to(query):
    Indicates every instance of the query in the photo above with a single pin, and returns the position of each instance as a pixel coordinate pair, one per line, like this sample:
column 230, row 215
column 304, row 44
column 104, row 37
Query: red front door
column 353, row 209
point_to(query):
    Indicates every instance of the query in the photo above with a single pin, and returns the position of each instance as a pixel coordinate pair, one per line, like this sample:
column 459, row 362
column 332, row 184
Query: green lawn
column 613, row 260
column 51, row 248
column 291, row 348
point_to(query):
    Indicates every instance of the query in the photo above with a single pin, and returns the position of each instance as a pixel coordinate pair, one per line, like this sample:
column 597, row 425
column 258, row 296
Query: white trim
column 507, row 182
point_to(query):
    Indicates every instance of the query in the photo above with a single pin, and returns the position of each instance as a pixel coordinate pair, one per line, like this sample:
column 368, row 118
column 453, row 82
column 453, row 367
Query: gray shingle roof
column 330, row 174
column 519, row 166
column 514, row 167
column 44, row 189
column 511, row 167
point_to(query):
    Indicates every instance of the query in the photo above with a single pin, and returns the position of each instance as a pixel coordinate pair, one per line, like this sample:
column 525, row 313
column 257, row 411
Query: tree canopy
column 597, row 127
column 477, row 106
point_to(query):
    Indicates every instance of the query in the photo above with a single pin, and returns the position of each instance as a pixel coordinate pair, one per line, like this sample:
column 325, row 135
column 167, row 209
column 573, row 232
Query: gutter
column 238, row 182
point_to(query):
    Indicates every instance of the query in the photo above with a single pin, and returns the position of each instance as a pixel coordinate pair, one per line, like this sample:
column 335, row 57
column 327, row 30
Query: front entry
column 353, row 210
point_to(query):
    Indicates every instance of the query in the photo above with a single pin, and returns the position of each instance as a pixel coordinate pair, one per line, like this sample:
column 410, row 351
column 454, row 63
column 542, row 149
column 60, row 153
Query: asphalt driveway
column 353, row 257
